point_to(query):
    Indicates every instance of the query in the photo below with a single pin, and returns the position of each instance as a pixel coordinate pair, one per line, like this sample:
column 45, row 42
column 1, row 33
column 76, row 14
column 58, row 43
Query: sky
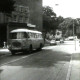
column 65, row 8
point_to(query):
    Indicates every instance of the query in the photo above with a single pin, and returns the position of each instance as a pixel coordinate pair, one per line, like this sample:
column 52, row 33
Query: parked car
column 58, row 41
column 72, row 38
column 61, row 40
column 53, row 42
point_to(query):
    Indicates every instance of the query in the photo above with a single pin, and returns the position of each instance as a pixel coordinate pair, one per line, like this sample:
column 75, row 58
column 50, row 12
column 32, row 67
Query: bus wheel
column 13, row 52
column 24, row 51
column 40, row 47
column 30, row 49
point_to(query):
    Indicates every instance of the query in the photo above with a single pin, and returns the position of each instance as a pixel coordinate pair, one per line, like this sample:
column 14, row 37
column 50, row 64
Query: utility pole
column 74, row 36
column 73, row 27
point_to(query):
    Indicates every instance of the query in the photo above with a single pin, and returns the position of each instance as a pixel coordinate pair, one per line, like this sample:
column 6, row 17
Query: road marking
column 15, row 60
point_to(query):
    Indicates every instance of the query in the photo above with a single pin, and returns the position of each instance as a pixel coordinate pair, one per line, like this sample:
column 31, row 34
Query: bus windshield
column 18, row 35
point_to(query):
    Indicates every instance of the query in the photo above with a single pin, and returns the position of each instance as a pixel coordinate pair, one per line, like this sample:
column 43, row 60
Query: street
column 51, row 63
column 39, row 40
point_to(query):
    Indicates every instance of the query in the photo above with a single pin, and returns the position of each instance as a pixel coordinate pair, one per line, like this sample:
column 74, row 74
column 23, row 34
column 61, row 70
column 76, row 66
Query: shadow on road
column 45, row 58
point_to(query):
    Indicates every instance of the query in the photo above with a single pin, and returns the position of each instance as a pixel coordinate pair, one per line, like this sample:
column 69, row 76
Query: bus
column 22, row 40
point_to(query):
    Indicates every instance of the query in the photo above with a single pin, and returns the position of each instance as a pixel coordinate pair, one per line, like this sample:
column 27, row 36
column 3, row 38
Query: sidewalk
column 74, row 67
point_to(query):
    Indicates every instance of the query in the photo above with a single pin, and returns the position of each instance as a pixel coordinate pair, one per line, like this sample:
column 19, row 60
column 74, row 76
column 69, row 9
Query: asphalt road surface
column 51, row 63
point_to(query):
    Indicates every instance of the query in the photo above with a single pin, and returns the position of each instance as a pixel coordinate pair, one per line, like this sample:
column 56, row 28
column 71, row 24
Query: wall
column 34, row 15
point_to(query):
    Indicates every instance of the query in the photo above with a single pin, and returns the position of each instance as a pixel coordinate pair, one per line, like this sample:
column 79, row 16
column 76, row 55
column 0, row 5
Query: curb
column 72, row 66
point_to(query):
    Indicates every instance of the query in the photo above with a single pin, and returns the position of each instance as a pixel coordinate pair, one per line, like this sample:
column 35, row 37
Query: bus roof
column 25, row 30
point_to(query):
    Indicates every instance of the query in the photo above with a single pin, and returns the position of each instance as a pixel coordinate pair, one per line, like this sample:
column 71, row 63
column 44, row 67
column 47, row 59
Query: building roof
column 25, row 30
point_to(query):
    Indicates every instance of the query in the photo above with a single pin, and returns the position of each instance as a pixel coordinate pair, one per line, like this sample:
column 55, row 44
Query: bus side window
column 36, row 35
column 33, row 35
column 26, row 35
column 40, row 35
column 29, row 34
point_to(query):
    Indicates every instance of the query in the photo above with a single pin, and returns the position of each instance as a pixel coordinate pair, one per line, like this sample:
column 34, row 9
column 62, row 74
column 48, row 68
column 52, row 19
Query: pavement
column 74, row 66
column 4, row 51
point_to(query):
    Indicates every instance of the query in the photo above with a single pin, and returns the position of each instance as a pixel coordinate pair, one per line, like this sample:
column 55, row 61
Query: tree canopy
column 67, row 26
column 50, row 21
column 47, row 17
column 7, row 6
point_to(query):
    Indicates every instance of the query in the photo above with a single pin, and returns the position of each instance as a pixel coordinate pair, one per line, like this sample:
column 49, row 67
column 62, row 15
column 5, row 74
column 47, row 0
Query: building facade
column 26, row 11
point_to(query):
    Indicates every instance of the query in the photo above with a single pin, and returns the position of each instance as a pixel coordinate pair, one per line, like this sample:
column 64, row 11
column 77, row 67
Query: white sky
column 65, row 8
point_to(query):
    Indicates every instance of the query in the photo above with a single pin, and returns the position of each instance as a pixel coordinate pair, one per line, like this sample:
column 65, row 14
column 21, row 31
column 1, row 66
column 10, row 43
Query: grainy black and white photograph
column 39, row 40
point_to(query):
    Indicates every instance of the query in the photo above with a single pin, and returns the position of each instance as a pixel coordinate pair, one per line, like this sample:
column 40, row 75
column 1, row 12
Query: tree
column 50, row 21
column 67, row 26
column 47, row 18
column 47, row 11
column 7, row 6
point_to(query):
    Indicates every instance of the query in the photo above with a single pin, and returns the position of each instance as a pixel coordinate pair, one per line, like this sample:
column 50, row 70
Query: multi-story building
column 21, row 14
column 26, row 11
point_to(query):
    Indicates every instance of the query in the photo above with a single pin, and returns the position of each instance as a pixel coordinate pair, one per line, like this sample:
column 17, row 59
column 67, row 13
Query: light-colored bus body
column 25, row 40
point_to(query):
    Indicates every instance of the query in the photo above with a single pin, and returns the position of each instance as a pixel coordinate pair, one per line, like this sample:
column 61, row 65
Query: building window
column 20, row 19
column 15, row 18
column 16, row 8
column 21, row 9
column 26, row 19
column 27, row 9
